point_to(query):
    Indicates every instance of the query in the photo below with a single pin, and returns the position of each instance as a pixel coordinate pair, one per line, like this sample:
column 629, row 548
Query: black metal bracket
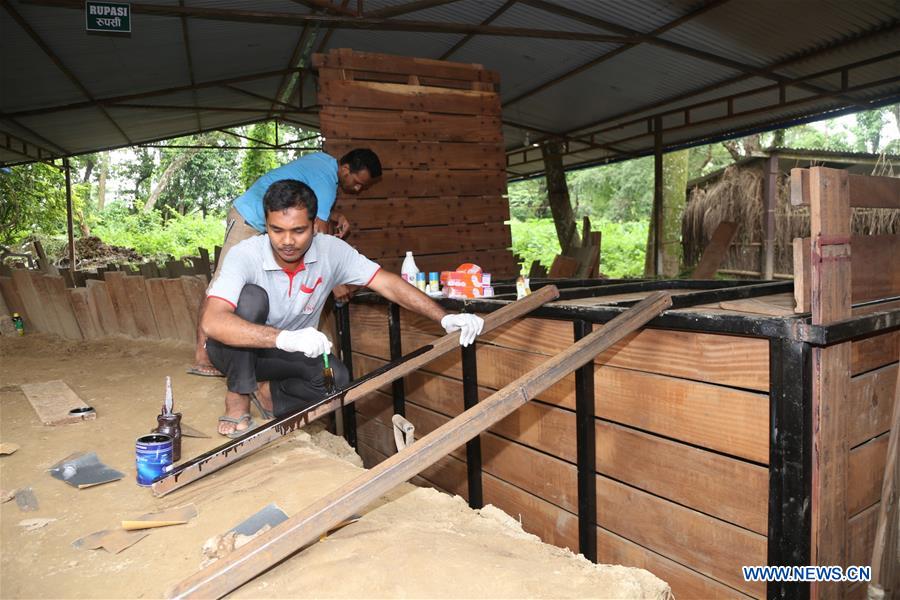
column 398, row 388
column 348, row 413
column 586, row 446
column 473, row 446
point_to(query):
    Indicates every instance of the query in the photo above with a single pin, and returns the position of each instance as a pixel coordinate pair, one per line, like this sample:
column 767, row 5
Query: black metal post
column 473, row 446
column 585, row 439
column 348, row 413
column 398, row 388
column 70, row 229
column 790, row 462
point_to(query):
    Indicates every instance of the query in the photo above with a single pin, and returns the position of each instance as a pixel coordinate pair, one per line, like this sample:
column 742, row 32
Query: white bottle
column 409, row 270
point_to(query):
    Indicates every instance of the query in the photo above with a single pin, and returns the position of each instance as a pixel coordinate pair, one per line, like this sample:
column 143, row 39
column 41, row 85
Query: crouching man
column 265, row 305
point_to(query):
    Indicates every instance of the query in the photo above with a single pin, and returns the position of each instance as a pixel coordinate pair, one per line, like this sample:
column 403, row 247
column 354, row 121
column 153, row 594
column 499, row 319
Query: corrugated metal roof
column 603, row 109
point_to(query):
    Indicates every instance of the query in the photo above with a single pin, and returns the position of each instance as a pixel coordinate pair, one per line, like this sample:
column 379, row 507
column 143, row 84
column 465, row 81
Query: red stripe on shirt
column 373, row 276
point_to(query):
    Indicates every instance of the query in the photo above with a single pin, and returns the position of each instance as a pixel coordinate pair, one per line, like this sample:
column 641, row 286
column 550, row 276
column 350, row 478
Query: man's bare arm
column 396, row 290
column 221, row 324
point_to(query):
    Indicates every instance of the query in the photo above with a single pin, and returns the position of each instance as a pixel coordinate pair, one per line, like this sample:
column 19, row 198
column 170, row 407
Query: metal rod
column 790, row 463
column 473, row 446
column 348, row 413
column 70, row 229
column 586, row 444
column 657, row 196
column 398, row 388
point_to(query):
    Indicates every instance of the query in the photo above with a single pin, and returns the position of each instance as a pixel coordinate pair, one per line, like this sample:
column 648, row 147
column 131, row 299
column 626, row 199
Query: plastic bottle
column 420, row 281
column 19, row 323
column 409, row 270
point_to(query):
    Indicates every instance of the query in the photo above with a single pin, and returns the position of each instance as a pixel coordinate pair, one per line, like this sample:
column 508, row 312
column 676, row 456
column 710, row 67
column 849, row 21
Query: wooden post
column 770, row 203
column 229, row 573
column 656, row 225
column 69, row 226
column 830, row 301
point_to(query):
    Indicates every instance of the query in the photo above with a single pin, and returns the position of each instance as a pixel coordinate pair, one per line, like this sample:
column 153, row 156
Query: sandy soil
column 414, row 543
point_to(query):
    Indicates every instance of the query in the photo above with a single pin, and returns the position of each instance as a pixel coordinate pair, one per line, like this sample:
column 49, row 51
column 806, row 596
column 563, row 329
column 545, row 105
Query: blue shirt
column 318, row 170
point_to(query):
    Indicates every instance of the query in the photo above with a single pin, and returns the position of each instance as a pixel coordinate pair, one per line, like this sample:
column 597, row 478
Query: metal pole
column 790, row 462
column 657, row 196
column 348, row 413
column 770, row 197
column 398, row 387
column 71, row 229
column 585, row 441
column 473, row 446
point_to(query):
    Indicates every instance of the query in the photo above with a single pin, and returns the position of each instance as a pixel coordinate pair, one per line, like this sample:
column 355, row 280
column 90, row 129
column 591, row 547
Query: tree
column 32, row 200
column 259, row 161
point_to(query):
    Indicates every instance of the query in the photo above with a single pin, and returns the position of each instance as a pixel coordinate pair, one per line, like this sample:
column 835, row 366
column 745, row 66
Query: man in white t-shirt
column 264, row 307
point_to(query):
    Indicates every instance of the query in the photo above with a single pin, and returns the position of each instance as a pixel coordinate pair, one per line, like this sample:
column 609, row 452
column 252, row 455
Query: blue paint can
column 153, row 456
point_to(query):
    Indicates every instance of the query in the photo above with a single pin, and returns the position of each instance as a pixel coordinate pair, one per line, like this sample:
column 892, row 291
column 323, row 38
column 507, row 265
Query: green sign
column 108, row 17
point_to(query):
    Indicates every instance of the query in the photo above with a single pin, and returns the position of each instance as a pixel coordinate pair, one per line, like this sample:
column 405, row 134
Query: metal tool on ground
column 404, row 432
column 83, row 470
column 257, row 438
column 224, row 576
column 328, row 375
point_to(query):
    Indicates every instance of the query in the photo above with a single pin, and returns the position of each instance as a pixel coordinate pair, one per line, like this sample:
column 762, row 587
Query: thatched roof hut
column 736, row 193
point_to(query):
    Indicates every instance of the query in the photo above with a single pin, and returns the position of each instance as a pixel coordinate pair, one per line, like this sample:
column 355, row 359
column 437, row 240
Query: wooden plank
column 87, row 321
column 830, row 301
column 397, row 96
column 861, row 535
column 162, row 310
column 367, row 61
column 14, row 301
column 865, row 191
column 410, row 126
column 51, row 322
column 140, row 306
column 685, row 583
column 115, row 287
column 873, row 259
column 563, row 267
column 185, row 321
column 7, row 327
column 715, row 251
column 871, row 398
column 422, row 183
column 425, row 154
column 885, row 552
column 306, row 526
column 865, row 472
column 203, row 265
column 58, row 296
column 194, row 293
column 376, row 243
column 377, row 213
column 874, row 351
column 52, row 401
column 712, row 547
column 102, row 304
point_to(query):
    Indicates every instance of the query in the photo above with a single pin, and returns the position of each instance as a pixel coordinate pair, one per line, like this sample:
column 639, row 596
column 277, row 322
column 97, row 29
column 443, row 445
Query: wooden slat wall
column 436, row 127
column 681, row 444
column 120, row 304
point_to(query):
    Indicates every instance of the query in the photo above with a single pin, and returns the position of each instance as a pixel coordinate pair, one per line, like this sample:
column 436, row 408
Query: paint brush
column 168, row 404
column 328, row 375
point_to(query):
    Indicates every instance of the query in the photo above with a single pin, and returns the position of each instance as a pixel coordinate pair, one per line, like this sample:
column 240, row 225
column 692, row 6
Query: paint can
column 153, row 457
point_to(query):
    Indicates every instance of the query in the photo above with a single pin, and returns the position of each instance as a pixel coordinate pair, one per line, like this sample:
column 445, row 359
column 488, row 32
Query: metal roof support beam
column 651, row 39
column 327, row 7
column 738, row 78
column 402, row 9
column 22, row 147
column 246, row 137
column 260, row 111
column 341, row 22
column 59, row 64
column 455, row 47
column 190, row 62
column 613, row 53
column 149, row 94
column 273, row 101
column 59, row 149
column 299, row 59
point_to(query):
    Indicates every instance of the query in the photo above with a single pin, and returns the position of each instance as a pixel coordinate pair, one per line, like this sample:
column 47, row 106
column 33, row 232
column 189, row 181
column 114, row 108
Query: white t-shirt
column 295, row 299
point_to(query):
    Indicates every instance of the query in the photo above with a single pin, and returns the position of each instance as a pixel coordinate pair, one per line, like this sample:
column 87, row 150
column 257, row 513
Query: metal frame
column 791, row 340
column 348, row 413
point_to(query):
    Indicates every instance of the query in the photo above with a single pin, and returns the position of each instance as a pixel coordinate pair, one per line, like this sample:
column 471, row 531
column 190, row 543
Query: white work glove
column 468, row 326
column 308, row 340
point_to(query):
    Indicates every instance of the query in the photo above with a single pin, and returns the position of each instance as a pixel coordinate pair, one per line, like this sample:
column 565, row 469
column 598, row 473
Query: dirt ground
column 415, row 543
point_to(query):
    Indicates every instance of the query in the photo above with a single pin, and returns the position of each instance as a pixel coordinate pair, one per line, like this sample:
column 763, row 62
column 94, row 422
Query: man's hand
column 469, row 326
column 320, row 226
column 309, row 341
column 343, row 293
column 343, row 225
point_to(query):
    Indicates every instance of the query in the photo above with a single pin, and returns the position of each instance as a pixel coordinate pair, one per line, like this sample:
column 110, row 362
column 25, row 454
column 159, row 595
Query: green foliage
column 154, row 237
column 32, row 201
column 258, row 162
column 622, row 246
column 207, row 181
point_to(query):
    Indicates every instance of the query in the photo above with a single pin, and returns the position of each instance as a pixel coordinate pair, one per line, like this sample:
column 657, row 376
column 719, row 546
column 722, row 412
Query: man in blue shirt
column 354, row 172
